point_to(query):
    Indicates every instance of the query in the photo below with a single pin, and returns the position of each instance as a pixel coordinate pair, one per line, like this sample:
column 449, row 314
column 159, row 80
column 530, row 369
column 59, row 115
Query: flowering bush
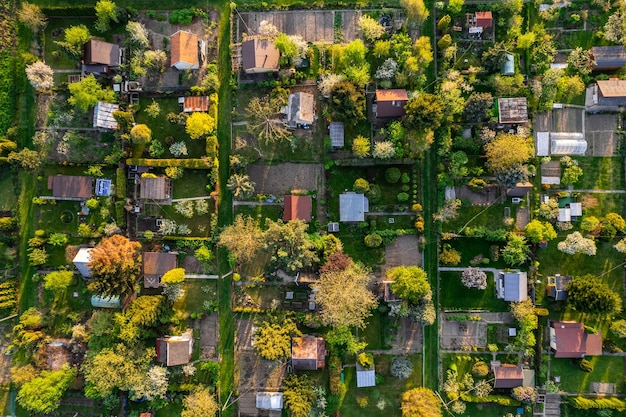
column 474, row 278
column 179, row 148
column 576, row 243
column 525, row 394
column 184, row 208
column 401, row 367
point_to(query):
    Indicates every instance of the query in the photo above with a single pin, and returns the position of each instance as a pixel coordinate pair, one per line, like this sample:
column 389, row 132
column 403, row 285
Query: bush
column 92, row 204
column 405, row 178
column 392, row 175
column 401, row 367
column 181, row 17
column 403, row 197
column 120, row 214
column 164, row 163
column 366, row 360
column 374, row 194
column 450, row 256
column 120, row 183
column 585, row 365
column 373, row 240
column 203, row 254
column 361, row 185
column 7, row 224
column 609, row 403
column 336, row 386
column 416, row 208
column 480, row 369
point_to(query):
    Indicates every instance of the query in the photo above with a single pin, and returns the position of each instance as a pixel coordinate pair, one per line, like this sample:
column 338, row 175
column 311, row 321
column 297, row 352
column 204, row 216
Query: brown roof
column 297, row 208
column 259, row 55
column 508, row 376
column 573, row 342
column 101, row 52
column 396, row 94
column 593, row 344
column 388, row 294
column 175, row 350
column 612, row 87
column 184, row 48
column 154, row 188
column 513, row 110
column 308, row 353
column 483, row 19
column 69, row 186
column 155, row 264
column 195, row 103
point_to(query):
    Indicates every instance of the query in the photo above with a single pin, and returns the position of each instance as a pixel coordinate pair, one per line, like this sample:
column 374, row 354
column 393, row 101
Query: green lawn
column 573, row 379
column 491, row 217
column 455, row 295
column 192, row 184
column 352, row 239
column 8, row 199
column 607, row 203
column 601, row 173
column 261, row 212
column 162, row 128
column 388, row 390
column 306, row 146
column 197, row 291
column 374, row 333
column 472, row 247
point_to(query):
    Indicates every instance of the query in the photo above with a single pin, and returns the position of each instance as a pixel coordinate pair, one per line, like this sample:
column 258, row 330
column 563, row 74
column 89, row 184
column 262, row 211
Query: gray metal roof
column 337, row 134
column 352, row 207
column 515, row 286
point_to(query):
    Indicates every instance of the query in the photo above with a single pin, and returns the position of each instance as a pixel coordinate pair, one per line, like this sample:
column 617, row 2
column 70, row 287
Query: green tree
column 74, row 39
column 507, row 150
column 371, row 29
column 244, row 239
column 27, row 158
column 420, row 402
column 416, row 11
column 341, row 339
column 174, row 276
column 31, row 16
column 87, row 92
column 516, row 251
column 153, row 110
column 444, row 23
column 410, row 283
column 241, row 186
column 581, row 61
column 525, row 40
column 115, row 265
column 538, row 231
column 203, row 254
column 494, row 57
column 589, row 224
column 344, row 297
column 289, row 245
column 455, row 6
column 43, row 393
column 119, row 368
column 199, row 124
column 571, row 175
column 141, row 134
column 477, row 107
column 106, row 11
column 200, row 403
column 589, row 295
column 272, row 337
column 298, row 395
column 425, row 111
column 616, row 221
column 361, row 147
column 58, row 280
column 347, row 103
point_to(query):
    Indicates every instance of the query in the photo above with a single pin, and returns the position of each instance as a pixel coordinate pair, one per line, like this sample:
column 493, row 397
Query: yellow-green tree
column 173, row 276
column 272, row 337
column 43, row 393
column 200, row 403
column 199, row 124
column 421, row 402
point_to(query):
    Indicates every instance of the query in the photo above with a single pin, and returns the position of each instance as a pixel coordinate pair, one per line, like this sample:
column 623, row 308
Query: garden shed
column 352, row 207
column 557, row 287
column 390, row 103
column 336, row 131
column 512, row 286
column 297, row 207
column 185, row 51
column 508, row 376
column 300, row 110
column 103, row 115
column 365, row 377
column 155, row 264
column 194, row 103
column 81, row 262
column 608, row 57
column 159, row 189
column 259, row 56
column 551, row 173
column 308, row 353
column 269, row 400
column 70, row 187
column 175, row 350
column 98, row 53
column 570, row 340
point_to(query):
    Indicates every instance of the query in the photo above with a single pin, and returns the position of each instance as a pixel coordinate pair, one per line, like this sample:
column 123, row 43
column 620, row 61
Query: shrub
column 474, row 278
column 585, row 365
column 58, row 239
column 164, row 163
column 203, row 254
column 450, row 256
column 179, row 148
column 184, row 208
column 392, row 175
column 361, row 185
column 156, row 149
column 403, row 197
column 120, row 214
column 361, row 147
column 366, row 360
column 374, row 194
column 480, row 369
column 362, row 401
column 8, row 223
column 405, row 178
column 37, row 257
column 609, row 403
column 92, row 204
column 120, row 183
column 401, row 367
column 618, row 328
column 373, row 240
column 416, row 208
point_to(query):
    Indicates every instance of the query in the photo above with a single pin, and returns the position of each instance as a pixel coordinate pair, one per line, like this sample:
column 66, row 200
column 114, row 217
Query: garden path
column 204, row 197
column 494, row 271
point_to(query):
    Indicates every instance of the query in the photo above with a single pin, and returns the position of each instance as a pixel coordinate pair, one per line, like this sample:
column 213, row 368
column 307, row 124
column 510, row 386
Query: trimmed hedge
column 120, row 183
column 165, row 163
column 610, row 403
column 494, row 399
column 120, row 214
column 74, row 11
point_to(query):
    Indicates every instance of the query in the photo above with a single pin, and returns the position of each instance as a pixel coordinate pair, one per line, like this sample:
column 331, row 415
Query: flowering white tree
column 387, row 70
column 179, row 148
column 153, row 386
column 40, row 75
column 614, row 28
column 138, row 34
column 168, row 227
column 620, row 246
column 474, row 278
column 371, row 29
column 327, row 83
column 576, row 243
column 384, row 150
column 267, row 30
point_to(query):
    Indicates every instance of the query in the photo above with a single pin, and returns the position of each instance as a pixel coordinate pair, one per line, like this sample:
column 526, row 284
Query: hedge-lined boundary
column 165, row 163
column 75, row 11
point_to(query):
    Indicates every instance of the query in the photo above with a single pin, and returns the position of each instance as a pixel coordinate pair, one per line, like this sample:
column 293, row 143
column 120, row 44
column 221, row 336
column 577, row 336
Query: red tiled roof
column 484, row 19
column 185, row 48
column 297, row 208
column 195, row 103
column 396, row 94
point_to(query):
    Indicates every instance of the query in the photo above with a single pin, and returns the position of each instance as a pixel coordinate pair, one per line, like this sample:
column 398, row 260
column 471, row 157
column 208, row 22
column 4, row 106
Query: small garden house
column 269, row 401
column 297, row 207
column 156, row 189
column 390, row 103
column 336, row 132
column 101, row 57
column 155, row 264
column 194, row 103
column 569, row 339
column 606, row 95
column 352, row 207
column 185, row 51
column 175, row 350
column 512, row 286
column 300, row 110
column 70, row 187
column 508, row 376
column 308, row 353
column 608, row 58
column 557, row 287
column 81, row 262
column 103, row 116
column 259, row 56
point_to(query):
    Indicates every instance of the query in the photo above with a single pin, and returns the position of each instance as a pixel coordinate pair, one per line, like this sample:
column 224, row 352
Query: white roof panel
column 543, row 143
column 352, row 207
column 365, row 379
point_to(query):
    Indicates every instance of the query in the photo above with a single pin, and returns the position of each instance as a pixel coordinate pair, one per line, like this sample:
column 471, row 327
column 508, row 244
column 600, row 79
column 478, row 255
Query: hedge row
column 494, row 399
column 610, row 403
column 165, row 163
column 120, row 184
column 120, row 214
column 75, row 11
column 7, row 90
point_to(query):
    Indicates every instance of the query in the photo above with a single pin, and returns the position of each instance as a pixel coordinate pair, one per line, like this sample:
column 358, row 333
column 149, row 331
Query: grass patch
column 455, row 295
column 261, row 212
column 374, row 333
column 491, row 217
column 471, row 248
column 305, row 146
column 607, row 203
column 573, row 379
column 8, row 199
column 352, row 239
column 192, row 184
column 389, row 389
column 601, row 173
column 197, row 291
